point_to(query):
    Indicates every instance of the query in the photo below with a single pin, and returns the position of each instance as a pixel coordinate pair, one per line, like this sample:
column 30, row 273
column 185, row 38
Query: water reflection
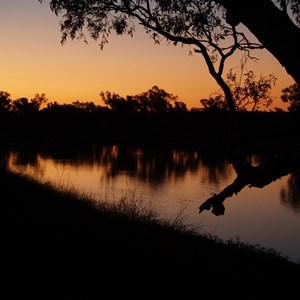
column 290, row 195
column 172, row 178
column 148, row 164
column 152, row 166
column 259, row 176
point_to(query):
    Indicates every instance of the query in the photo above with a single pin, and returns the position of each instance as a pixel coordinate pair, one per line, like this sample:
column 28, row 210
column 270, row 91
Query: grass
column 60, row 245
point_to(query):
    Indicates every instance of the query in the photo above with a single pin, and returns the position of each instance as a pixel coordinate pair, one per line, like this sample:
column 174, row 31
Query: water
column 176, row 182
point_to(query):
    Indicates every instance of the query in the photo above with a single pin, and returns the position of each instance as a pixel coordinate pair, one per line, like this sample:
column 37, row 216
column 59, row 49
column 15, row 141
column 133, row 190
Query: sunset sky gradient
column 34, row 61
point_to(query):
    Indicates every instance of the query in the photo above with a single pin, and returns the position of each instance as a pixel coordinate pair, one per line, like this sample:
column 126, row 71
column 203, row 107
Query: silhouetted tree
column 199, row 24
column 291, row 95
column 210, row 27
column 214, row 103
column 154, row 101
column 275, row 26
column 180, row 106
column 23, row 105
column 248, row 93
column 117, row 103
column 5, row 102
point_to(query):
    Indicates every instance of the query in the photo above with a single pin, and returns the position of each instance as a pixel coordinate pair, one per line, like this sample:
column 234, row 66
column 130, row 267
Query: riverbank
column 60, row 246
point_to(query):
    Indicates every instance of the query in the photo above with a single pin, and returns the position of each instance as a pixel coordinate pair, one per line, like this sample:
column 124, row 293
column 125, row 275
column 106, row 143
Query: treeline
column 154, row 101
column 153, row 116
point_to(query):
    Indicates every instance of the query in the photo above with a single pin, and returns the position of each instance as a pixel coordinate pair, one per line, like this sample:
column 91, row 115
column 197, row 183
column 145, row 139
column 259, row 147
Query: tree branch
column 253, row 176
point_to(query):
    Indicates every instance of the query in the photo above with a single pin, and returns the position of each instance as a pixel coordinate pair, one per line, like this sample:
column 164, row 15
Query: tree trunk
column 272, row 27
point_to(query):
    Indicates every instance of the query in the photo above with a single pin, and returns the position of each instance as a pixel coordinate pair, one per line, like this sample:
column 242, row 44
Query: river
column 175, row 182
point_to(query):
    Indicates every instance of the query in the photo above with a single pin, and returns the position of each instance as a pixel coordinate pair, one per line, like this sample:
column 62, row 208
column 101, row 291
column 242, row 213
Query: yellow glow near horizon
column 33, row 61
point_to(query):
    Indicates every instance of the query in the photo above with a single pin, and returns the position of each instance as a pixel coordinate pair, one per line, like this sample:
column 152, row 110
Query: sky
column 33, row 60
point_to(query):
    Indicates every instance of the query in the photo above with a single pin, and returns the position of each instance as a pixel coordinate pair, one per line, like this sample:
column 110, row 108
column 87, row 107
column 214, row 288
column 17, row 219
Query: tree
column 291, row 95
column 5, row 102
column 199, row 24
column 209, row 27
column 23, row 105
column 246, row 91
column 154, row 101
column 214, row 103
column 275, row 26
column 117, row 103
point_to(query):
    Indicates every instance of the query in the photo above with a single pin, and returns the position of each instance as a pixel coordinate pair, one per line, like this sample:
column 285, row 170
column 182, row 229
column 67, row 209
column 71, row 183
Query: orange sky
column 34, row 61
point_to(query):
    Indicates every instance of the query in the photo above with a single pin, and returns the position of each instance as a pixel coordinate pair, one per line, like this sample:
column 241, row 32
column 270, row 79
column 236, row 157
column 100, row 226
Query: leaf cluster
column 200, row 23
column 248, row 92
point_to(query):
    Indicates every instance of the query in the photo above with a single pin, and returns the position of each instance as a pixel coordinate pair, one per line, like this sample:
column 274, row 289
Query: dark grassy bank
column 60, row 246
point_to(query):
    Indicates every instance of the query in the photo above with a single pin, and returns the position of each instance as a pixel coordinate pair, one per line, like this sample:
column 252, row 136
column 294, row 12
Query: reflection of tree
column 28, row 156
column 254, row 176
column 215, row 167
column 151, row 164
column 291, row 194
column 158, row 164
column 24, row 161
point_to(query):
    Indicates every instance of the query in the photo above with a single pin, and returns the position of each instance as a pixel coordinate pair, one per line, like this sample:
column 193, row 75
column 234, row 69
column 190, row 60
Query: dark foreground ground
column 56, row 247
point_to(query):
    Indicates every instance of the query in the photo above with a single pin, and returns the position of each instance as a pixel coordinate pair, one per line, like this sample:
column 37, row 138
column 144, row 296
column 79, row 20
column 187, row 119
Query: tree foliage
column 151, row 102
column 23, row 105
column 251, row 93
column 5, row 101
column 248, row 92
column 291, row 95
